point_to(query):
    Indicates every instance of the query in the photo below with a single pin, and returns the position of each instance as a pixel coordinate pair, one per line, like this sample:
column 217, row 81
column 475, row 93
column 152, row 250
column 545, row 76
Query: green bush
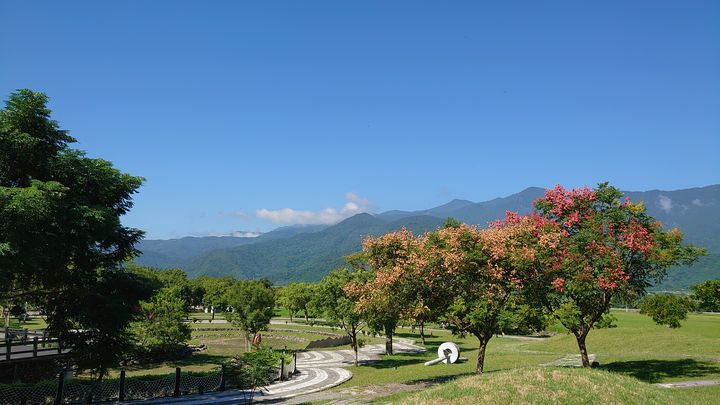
column 254, row 369
column 667, row 309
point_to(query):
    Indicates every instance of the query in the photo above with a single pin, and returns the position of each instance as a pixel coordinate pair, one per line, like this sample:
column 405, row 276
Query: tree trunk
column 481, row 354
column 422, row 332
column 388, row 340
column 583, row 349
column 212, row 312
column 306, row 317
column 353, row 339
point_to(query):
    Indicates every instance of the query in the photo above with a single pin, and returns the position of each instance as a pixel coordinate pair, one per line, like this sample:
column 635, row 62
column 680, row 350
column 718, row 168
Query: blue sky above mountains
column 248, row 116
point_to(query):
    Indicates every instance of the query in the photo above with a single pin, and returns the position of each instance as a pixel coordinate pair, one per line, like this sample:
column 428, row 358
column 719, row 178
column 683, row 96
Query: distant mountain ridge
column 306, row 253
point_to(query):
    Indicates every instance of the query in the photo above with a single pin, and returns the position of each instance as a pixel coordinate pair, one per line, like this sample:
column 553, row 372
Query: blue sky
column 235, row 110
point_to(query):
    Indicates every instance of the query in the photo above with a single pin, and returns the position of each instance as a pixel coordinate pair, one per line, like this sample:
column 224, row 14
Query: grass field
column 636, row 348
column 34, row 323
column 637, row 351
column 632, row 356
column 552, row 385
column 224, row 341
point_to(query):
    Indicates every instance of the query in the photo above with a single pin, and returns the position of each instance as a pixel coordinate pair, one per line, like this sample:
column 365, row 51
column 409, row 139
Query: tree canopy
column 609, row 247
column 253, row 305
column 61, row 239
column 707, row 295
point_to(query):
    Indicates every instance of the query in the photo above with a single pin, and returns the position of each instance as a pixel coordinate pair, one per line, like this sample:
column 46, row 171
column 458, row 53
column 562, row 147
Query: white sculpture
column 448, row 353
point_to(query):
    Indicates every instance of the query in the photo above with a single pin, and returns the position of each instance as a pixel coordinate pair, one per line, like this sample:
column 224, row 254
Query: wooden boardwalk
column 18, row 346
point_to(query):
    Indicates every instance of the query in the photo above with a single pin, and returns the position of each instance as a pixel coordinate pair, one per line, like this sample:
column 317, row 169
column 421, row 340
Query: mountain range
column 307, row 253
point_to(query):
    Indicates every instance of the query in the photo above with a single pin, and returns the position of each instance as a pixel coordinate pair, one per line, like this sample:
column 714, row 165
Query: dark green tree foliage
column 296, row 297
column 61, row 239
column 216, row 293
column 521, row 319
column 707, row 295
column 161, row 330
column 666, row 309
column 334, row 303
column 253, row 305
column 252, row 370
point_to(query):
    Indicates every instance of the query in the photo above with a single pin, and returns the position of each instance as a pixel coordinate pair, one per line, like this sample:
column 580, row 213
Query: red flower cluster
column 636, row 238
column 563, row 200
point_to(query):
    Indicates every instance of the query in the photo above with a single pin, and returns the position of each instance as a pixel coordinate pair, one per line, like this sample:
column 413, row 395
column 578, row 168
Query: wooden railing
column 29, row 348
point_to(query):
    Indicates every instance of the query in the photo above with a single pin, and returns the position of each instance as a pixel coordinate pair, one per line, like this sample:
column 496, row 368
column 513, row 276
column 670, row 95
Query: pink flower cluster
column 637, row 238
column 562, row 200
column 613, row 278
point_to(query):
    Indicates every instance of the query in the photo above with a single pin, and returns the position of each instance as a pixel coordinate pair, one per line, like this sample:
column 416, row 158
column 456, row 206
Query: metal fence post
column 8, row 347
column 35, row 344
column 121, row 392
column 60, row 388
column 176, row 391
column 282, row 368
column 222, row 378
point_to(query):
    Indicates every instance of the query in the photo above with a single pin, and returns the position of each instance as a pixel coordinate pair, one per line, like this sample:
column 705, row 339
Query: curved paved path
column 320, row 370
column 317, row 371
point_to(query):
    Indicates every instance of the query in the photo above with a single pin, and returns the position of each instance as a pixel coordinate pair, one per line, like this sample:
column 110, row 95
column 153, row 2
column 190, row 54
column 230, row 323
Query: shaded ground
column 655, row 370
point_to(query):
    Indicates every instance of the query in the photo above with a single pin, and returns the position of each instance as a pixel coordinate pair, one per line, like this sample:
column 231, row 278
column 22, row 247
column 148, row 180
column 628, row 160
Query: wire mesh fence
column 81, row 392
column 146, row 389
column 43, row 393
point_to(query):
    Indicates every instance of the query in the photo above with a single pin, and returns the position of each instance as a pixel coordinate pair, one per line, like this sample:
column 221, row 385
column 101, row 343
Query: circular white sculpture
column 448, row 353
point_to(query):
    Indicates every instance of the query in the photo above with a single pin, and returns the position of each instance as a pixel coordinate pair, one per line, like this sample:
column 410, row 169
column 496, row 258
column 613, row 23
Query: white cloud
column 354, row 204
column 236, row 234
column 245, row 234
column 699, row 203
column 666, row 203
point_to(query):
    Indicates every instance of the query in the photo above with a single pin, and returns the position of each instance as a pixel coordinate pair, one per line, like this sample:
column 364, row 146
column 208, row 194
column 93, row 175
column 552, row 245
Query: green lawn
column 222, row 343
column 34, row 323
column 637, row 350
column 551, row 385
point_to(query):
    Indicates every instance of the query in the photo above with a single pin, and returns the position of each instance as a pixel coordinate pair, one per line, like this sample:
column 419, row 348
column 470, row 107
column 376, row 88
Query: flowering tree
column 609, row 247
column 383, row 299
column 470, row 276
column 485, row 273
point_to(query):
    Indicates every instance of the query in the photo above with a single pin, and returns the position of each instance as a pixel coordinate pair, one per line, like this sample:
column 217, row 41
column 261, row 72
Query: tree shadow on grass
column 433, row 342
column 397, row 360
column 653, row 371
column 194, row 360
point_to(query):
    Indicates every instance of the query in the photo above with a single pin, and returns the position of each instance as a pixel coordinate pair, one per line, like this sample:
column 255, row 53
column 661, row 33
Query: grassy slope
column 636, row 348
column 553, row 385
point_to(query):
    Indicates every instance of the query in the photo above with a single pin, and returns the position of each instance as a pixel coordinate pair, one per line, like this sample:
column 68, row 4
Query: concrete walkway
column 689, row 384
